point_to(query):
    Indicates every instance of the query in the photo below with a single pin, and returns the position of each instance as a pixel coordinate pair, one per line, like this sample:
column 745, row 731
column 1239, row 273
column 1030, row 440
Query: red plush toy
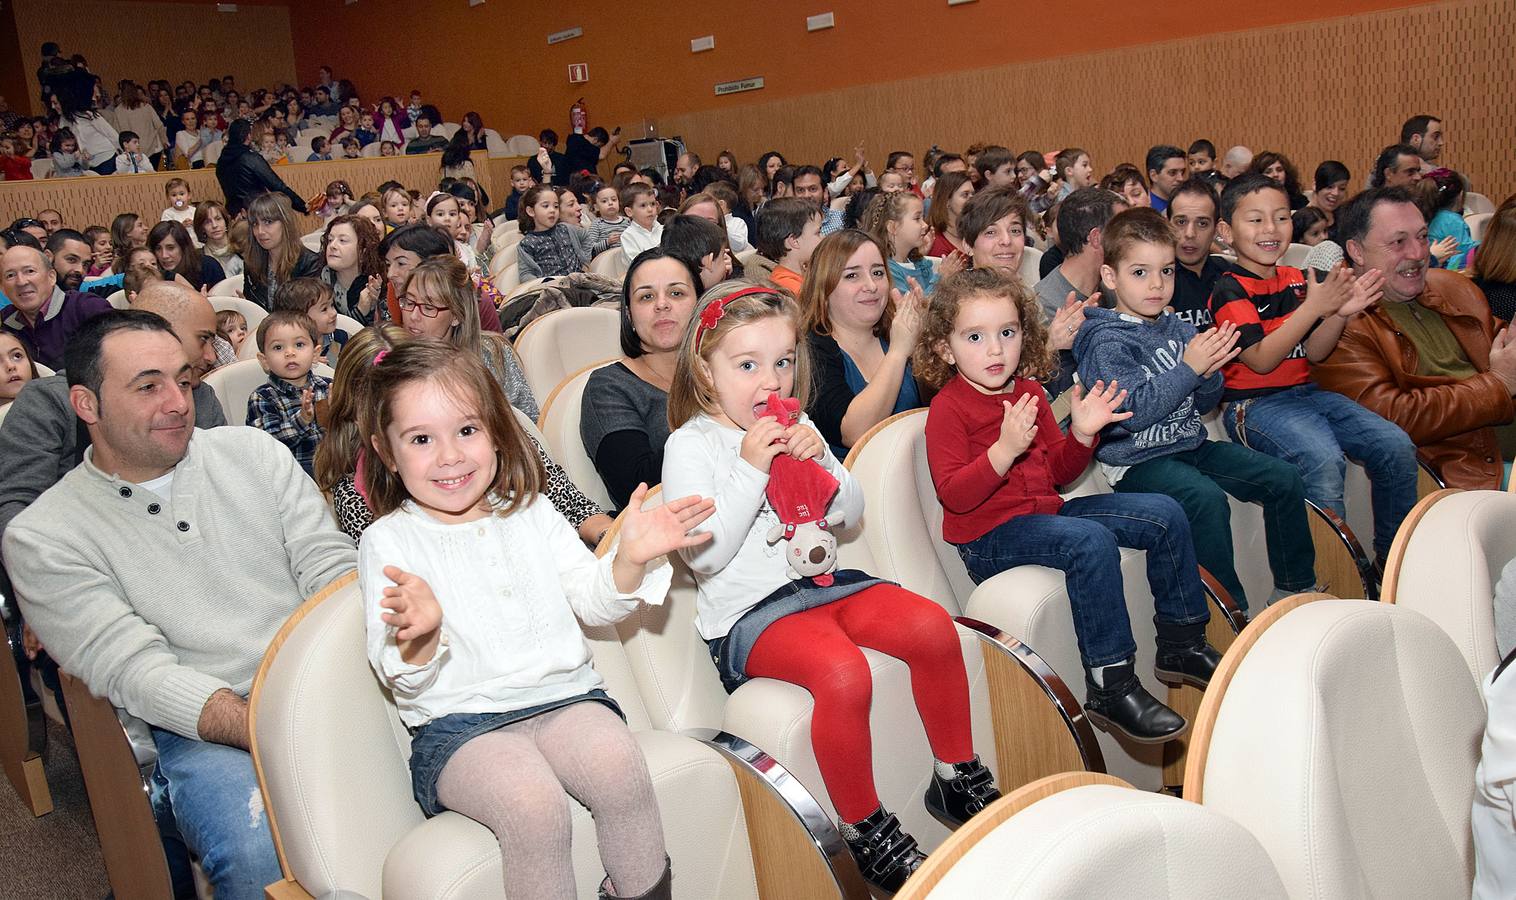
column 800, row 492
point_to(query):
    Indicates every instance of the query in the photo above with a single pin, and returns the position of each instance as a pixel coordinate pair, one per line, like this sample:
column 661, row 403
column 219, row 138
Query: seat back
column 564, row 341
column 1344, row 734
column 559, row 424
column 331, row 752
column 1085, row 841
column 1445, row 563
column 229, row 287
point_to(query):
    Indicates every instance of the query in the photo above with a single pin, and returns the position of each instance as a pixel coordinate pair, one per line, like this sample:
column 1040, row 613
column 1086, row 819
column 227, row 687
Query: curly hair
column 1037, row 362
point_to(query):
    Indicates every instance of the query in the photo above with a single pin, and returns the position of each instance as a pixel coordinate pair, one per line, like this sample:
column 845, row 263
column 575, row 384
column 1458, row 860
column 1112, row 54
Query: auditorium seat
column 611, row 263
column 903, row 528
column 564, row 341
column 331, row 755
column 1344, row 734
column 1026, row 724
column 1445, row 563
column 559, row 424
column 1079, row 835
column 228, row 287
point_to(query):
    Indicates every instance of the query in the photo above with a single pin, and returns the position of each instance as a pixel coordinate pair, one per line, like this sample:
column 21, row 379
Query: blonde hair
column 825, row 271
column 1037, row 359
column 519, row 476
column 692, row 391
column 337, row 454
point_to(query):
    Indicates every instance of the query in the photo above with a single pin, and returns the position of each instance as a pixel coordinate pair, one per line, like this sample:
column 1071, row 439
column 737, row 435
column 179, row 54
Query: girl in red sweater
column 997, row 457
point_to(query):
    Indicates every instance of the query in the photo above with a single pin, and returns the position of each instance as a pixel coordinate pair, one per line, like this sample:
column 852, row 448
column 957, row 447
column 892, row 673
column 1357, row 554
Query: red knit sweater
column 961, row 426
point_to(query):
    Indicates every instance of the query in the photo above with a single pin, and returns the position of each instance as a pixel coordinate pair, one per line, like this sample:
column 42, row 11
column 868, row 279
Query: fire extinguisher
column 579, row 117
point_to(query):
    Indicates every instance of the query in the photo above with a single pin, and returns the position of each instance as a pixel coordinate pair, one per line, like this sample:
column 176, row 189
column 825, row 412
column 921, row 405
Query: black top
column 244, row 174
column 255, row 286
column 1192, row 293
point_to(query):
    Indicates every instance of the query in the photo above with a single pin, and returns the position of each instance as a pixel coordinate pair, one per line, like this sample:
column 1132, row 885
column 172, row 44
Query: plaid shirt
column 274, row 406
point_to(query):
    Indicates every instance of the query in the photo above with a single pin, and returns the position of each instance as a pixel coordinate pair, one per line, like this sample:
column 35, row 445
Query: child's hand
column 1211, row 350
column 1018, row 428
column 370, row 294
column 910, row 308
column 1363, row 293
column 413, row 608
column 307, row 406
column 647, row 534
column 1093, row 411
column 803, row 442
column 1325, row 297
column 952, row 264
column 762, row 443
column 1444, row 249
column 1068, row 320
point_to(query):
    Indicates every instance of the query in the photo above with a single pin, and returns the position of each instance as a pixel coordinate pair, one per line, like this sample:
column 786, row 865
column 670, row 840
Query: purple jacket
column 66, row 311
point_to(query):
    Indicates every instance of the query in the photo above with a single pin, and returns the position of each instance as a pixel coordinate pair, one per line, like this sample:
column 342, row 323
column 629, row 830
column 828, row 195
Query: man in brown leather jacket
column 1426, row 357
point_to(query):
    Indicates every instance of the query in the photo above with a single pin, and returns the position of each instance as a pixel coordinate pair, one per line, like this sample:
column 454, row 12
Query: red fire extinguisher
column 579, row 117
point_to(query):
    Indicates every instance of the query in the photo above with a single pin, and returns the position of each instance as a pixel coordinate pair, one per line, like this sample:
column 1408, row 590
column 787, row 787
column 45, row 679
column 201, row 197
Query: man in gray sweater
column 158, row 570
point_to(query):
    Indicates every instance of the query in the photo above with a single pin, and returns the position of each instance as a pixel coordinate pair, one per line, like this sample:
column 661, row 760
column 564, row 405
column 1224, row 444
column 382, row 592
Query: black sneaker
column 1127, row 707
column 885, row 853
column 1193, row 666
column 953, row 801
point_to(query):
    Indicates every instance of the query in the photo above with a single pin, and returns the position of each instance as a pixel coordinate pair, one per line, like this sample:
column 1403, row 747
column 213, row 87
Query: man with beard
column 43, row 312
column 1426, row 357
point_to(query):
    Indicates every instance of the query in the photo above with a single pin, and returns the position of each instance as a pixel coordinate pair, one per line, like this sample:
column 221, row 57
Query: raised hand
column 762, row 443
column 413, row 609
column 1018, row 428
column 1211, row 350
column 910, row 309
column 647, row 534
column 1363, row 292
column 1095, row 409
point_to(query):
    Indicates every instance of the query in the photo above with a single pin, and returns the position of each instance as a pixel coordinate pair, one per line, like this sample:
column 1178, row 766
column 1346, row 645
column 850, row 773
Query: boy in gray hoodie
column 1173, row 376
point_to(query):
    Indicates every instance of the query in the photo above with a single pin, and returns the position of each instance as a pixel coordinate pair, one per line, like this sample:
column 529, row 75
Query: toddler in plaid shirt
column 285, row 405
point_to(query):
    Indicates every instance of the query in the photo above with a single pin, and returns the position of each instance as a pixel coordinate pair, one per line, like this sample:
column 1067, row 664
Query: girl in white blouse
column 471, row 584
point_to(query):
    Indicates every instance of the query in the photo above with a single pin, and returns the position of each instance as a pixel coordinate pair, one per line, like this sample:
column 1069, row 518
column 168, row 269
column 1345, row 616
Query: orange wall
column 495, row 59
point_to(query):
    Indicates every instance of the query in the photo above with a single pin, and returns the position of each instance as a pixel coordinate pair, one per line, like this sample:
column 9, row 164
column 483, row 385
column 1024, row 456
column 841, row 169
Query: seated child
column 231, row 333
column 640, row 202
column 313, row 297
column 16, row 366
column 1173, row 377
column 549, row 247
column 285, row 405
column 181, row 208
column 487, row 662
column 131, row 160
column 605, row 231
column 997, row 458
column 788, row 231
column 748, row 346
column 1270, row 403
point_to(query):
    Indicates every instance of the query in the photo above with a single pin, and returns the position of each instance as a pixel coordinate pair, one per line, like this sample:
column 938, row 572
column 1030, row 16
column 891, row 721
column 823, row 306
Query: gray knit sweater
column 158, row 602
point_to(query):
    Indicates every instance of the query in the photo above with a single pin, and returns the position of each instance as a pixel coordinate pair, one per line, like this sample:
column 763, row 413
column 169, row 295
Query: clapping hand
column 1211, row 350
column 1095, row 409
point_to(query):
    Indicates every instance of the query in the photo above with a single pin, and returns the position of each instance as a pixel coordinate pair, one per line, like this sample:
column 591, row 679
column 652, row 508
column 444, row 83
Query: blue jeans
column 1083, row 541
column 210, row 792
column 1312, row 429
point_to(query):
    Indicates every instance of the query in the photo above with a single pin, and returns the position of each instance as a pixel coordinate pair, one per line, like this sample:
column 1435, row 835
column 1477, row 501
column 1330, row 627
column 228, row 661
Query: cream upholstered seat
column 1344, row 735
column 903, row 527
column 1445, row 563
column 564, row 341
column 1078, row 835
column 227, row 287
column 332, row 758
column 611, row 263
column 559, row 425
column 682, row 690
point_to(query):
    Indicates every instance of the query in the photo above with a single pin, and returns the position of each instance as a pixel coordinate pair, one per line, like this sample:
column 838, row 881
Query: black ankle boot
column 885, row 853
column 1184, row 657
column 1127, row 707
column 660, row 891
column 953, row 801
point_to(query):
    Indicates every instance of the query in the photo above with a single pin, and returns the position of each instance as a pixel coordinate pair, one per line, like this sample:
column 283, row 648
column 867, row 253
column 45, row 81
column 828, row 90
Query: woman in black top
column 178, row 255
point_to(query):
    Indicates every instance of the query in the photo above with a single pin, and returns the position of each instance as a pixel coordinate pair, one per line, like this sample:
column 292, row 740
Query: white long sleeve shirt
column 510, row 588
column 737, row 567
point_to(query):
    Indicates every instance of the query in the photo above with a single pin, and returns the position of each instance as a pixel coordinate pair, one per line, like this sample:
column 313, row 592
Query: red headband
column 717, row 308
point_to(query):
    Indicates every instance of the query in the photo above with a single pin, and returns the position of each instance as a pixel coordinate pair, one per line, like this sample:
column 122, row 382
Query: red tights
column 819, row 650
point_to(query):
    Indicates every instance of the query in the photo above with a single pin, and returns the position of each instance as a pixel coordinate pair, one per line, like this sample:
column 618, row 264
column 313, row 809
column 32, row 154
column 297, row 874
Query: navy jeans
column 1312, row 429
column 1083, row 541
column 212, row 794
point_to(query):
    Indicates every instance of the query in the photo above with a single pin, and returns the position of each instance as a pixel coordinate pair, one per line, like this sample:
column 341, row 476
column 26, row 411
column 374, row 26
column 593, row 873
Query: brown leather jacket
column 1450, row 420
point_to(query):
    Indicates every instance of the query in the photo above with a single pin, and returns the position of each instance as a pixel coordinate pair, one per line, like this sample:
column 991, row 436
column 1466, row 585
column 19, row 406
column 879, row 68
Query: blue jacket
column 1165, row 396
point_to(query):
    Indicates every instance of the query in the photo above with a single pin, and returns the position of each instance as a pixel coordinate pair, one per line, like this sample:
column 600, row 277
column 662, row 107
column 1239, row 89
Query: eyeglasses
column 426, row 309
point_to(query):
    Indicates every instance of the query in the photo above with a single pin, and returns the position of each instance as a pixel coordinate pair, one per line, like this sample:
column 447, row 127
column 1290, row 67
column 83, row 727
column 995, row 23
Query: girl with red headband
column 746, row 344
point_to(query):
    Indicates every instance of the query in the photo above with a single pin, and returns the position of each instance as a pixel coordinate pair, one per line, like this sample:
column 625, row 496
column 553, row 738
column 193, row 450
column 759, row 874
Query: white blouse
column 510, row 588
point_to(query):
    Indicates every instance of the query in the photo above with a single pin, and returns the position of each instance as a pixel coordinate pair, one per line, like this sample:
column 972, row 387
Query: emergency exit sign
column 579, row 73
